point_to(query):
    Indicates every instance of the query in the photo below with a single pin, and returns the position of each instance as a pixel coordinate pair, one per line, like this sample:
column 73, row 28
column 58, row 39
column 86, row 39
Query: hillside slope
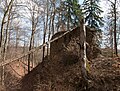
column 59, row 76
column 62, row 71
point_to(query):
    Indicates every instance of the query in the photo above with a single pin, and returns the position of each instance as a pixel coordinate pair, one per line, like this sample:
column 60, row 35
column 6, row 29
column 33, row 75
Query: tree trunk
column 111, row 42
column 115, row 40
column 2, row 25
column 49, row 33
column 83, row 58
column 17, row 38
column 49, row 37
column 45, row 29
column 3, row 46
column 31, row 40
column 53, row 18
column 68, row 22
column 30, row 47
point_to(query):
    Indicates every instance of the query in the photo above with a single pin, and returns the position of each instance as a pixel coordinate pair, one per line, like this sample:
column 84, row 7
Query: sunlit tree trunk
column 45, row 29
column 82, row 54
column 49, row 33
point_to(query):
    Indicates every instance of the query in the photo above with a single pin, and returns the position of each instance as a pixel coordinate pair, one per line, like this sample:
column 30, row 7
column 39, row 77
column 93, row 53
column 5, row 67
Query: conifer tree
column 92, row 12
column 70, row 13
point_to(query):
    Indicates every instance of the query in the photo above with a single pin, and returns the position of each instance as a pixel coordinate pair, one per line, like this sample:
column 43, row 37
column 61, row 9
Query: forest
column 59, row 45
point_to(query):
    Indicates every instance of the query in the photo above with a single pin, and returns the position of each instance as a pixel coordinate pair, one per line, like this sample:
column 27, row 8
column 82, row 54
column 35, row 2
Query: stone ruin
column 62, row 72
column 67, row 46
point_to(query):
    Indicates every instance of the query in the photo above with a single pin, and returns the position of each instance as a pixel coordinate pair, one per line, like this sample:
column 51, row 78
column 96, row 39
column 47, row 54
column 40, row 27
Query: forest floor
column 104, row 75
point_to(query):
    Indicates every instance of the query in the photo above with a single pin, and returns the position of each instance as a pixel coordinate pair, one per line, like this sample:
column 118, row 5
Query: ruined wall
column 67, row 45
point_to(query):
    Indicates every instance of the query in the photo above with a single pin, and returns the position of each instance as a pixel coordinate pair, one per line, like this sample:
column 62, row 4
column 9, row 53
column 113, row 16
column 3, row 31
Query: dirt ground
column 104, row 75
column 107, row 72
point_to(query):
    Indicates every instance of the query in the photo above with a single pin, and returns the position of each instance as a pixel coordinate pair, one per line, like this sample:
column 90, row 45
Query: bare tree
column 45, row 27
column 34, row 19
column 3, row 43
column 114, row 8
